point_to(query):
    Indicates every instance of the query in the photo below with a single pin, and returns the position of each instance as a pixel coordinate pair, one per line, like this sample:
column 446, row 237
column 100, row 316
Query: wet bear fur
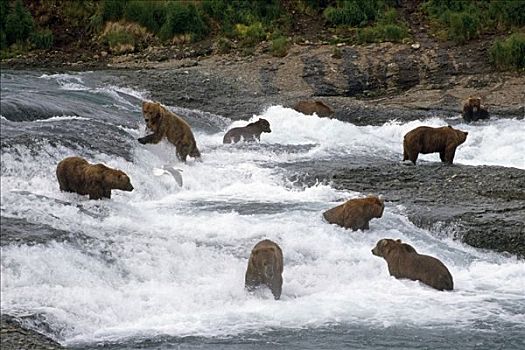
column 166, row 124
column 250, row 132
column 425, row 139
column 404, row 262
column 75, row 174
column 473, row 110
column 356, row 214
column 265, row 268
column 310, row 107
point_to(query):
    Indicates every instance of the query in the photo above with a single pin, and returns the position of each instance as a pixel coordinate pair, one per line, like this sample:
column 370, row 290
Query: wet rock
column 15, row 336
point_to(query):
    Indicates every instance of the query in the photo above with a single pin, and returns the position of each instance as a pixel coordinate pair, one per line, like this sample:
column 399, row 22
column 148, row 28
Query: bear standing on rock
column 425, row 139
column 473, row 110
column 164, row 123
column 75, row 174
column 356, row 213
column 265, row 268
column 404, row 262
column 250, row 132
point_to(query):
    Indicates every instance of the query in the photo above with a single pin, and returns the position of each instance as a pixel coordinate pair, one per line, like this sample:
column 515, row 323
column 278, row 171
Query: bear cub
column 404, row 262
column 248, row 133
column 473, row 110
column 75, row 174
column 265, row 268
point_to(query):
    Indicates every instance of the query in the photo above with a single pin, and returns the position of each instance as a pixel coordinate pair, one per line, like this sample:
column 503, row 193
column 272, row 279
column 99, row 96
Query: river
column 163, row 266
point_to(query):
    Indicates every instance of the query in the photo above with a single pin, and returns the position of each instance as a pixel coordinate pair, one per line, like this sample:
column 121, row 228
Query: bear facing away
column 356, row 213
column 310, row 107
column 425, row 139
column 404, row 262
column 75, row 174
column 473, row 110
column 265, row 268
column 250, row 132
column 166, row 124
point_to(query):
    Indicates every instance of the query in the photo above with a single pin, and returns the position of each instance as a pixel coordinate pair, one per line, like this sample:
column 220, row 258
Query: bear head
column 118, row 180
column 385, row 246
column 378, row 206
column 264, row 259
column 461, row 136
column 474, row 103
column 152, row 112
column 263, row 125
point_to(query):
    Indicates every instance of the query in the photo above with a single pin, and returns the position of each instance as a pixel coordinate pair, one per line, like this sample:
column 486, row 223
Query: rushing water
column 163, row 266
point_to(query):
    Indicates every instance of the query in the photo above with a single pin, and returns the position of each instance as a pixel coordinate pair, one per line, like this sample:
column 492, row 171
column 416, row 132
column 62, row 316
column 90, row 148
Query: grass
column 509, row 53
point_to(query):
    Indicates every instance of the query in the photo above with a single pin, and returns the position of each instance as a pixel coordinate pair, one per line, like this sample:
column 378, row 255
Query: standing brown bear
column 265, row 268
column 425, row 139
column 164, row 123
column 356, row 213
column 404, row 262
column 75, row 174
column 473, row 109
column 250, row 132
column 311, row 107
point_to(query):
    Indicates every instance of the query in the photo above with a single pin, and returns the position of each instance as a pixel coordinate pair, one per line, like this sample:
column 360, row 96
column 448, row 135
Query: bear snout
column 129, row 187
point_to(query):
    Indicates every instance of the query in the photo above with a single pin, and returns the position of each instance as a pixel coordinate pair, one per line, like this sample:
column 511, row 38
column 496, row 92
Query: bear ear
column 450, row 126
column 398, row 240
column 381, row 199
column 465, row 132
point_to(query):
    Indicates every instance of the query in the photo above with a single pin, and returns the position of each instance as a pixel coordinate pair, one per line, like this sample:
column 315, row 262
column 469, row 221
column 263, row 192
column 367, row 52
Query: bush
column 42, row 39
column 150, row 14
column 250, row 35
column 279, row 46
column 353, row 12
column 183, row 18
column 112, row 10
column 223, row 45
column 463, row 27
column 509, row 53
column 387, row 28
column 19, row 24
column 124, row 37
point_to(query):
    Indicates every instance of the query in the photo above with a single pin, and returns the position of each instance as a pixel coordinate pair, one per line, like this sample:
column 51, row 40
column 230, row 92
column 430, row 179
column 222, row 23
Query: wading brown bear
column 425, row 139
column 473, row 110
column 164, row 123
column 404, row 262
column 75, row 174
column 356, row 213
column 250, row 132
column 265, row 268
column 311, row 107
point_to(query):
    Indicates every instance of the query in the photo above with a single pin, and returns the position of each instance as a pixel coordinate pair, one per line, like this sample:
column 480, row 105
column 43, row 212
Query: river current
column 163, row 266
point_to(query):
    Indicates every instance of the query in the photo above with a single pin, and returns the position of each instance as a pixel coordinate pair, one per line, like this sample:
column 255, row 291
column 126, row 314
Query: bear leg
column 413, row 157
column 449, row 155
column 442, row 156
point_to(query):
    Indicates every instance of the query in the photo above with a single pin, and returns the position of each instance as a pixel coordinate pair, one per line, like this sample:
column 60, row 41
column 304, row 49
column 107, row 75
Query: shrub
column 223, row 45
column 463, row 27
column 112, row 10
column 279, row 46
column 353, row 12
column 124, row 37
column 509, row 53
column 150, row 14
column 19, row 24
column 42, row 39
column 183, row 18
column 250, row 35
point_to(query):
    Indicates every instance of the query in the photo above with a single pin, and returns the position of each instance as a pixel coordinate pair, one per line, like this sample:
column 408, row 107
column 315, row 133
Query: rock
column 415, row 46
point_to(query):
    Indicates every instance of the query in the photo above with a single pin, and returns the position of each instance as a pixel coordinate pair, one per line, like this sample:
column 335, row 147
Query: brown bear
column 265, row 268
column 311, row 107
column 75, row 174
column 404, row 262
column 250, row 132
column 473, row 110
column 425, row 139
column 356, row 213
column 164, row 123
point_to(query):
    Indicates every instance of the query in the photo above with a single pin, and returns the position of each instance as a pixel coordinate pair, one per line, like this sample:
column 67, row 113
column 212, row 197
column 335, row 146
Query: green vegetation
column 387, row 28
column 461, row 21
column 509, row 53
column 279, row 46
column 354, row 12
